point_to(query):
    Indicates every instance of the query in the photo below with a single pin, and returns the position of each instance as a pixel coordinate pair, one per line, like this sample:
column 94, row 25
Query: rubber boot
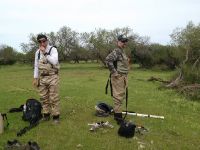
column 118, row 117
column 56, row 119
column 46, row 117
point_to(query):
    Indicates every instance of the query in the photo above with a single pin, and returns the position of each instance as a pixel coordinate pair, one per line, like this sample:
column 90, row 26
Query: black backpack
column 127, row 129
column 31, row 113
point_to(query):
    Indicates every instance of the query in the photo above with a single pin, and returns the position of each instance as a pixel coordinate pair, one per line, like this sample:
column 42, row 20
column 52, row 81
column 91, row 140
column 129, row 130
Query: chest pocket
column 122, row 64
column 125, row 59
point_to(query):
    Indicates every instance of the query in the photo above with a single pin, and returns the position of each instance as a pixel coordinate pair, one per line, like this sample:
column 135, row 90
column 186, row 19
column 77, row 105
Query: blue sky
column 154, row 18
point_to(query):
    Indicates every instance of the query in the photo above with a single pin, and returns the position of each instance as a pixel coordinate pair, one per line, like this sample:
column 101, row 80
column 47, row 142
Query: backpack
column 126, row 129
column 103, row 109
column 31, row 113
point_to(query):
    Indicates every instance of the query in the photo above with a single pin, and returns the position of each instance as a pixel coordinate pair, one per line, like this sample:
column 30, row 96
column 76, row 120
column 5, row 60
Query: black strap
column 106, row 88
column 25, row 129
column 5, row 118
column 107, row 84
column 126, row 103
column 50, row 50
column 20, row 109
column 111, row 88
column 39, row 55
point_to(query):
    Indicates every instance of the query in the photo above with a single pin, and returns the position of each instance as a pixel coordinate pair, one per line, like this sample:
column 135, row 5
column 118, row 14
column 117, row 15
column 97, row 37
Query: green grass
column 81, row 87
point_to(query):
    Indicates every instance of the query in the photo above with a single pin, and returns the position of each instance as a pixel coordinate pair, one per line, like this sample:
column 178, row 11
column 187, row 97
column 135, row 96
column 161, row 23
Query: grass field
column 81, row 87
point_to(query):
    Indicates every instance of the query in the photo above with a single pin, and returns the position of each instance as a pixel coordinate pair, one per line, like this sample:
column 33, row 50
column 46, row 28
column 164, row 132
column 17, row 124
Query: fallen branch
column 195, row 63
column 191, row 87
column 157, row 79
column 177, row 81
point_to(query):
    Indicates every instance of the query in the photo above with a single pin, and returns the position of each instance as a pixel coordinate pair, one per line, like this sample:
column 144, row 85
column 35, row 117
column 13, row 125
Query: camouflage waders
column 48, row 87
column 117, row 63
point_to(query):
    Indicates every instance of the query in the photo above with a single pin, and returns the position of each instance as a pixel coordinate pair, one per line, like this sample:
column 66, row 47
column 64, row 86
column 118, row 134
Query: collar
column 121, row 50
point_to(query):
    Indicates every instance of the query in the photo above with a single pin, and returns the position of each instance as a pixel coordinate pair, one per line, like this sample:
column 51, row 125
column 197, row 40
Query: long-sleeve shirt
column 117, row 61
column 51, row 58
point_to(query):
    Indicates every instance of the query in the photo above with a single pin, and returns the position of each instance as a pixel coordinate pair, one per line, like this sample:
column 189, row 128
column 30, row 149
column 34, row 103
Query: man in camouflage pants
column 46, row 78
column 118, row 64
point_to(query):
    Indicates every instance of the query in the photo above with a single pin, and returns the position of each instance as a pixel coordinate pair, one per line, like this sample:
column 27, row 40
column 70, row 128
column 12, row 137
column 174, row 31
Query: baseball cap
column 122, row 38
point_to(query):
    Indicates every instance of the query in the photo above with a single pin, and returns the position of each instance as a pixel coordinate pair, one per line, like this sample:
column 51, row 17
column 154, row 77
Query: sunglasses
column 124, row 42
column 42, row 41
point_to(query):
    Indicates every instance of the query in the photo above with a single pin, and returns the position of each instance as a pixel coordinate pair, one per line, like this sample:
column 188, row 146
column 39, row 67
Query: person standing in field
column 46, row 78
column 118, row 64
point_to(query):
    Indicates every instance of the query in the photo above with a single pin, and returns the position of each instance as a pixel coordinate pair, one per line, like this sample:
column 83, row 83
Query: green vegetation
column 81, row 87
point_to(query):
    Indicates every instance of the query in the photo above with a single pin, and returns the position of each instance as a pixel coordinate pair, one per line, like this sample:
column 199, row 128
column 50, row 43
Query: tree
column 103, row 41
column 187, row 39
column 67, row 41
column 7, row 55
column 30, row 48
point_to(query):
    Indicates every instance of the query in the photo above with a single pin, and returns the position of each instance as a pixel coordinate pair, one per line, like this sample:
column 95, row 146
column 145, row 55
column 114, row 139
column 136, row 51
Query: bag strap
column 5, row 118
column 126, row 103
column 106, row 88
column 50, row 50
column 19, row 109
column 25, row 129
column 38, row 55
column 107, row 84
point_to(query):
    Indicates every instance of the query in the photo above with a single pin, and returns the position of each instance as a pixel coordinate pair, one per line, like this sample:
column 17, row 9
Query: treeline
column 76, row 47
column 182, row 54
column 95, row 46
column 187, row 41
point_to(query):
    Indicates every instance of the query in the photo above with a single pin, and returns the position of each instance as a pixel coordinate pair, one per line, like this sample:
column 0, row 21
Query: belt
column 122, row 73
column 48, row 74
